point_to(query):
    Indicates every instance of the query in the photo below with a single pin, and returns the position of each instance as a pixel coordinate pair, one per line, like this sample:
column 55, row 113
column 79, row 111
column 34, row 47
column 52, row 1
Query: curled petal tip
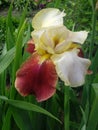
column 78, row 37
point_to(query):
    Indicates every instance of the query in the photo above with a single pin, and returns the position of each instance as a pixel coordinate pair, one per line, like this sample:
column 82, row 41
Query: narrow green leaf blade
column 7, row 59
column 28, row 106
column 18, row 52
column 6, row 124
column 23, row 17
column 93, row 120
column 22, row 119
column 9, row 29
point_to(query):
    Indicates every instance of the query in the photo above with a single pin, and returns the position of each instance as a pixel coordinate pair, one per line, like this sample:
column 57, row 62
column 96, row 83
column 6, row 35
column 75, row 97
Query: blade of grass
column 93, row 120
column 28, row 106
column 57, row 3
column 27, row 35
column 9, row 29
column 23, row 17
column 18, row 52
column 2, row 83
column 6, row 124
column 94, row 18
column 22, row 119
column 7, row 59
column 18, row 57
column 19, row 43
column 94, row 66
column 66, row 108
column 55, row 109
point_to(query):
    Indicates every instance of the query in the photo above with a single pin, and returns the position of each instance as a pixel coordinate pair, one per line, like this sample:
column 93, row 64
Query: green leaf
column 9, row 29
column 28, row 106
column 94, row 65
column 27, row 35
column 83, row 115
column 9, row 17
column 10, row 38
column 93, row 120
column 6, row 123
column 18, row 57
column 23, row 17
column 18, row 52
column 22, row 119
column 66, row 107
column 7, row 59
column 84, row 127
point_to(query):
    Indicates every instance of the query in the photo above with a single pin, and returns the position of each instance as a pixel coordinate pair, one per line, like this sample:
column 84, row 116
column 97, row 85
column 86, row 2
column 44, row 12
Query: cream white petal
column 58, row 39
column 69, row 39
column 53, row 36
column 78, row 37
column 42, row 40
column 47, row 42
column 71, row 68
column 49, row 37
column 48, row 17
column 36, row 35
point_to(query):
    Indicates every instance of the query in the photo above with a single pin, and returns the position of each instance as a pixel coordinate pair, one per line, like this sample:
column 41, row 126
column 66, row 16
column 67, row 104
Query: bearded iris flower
column 55, row 53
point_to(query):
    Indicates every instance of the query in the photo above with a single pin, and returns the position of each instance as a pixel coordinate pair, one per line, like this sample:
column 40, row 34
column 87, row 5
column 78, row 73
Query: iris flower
column 54, row 53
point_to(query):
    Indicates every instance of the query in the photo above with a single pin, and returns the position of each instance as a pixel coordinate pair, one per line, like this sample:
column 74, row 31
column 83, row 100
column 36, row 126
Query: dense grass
column 68, row 109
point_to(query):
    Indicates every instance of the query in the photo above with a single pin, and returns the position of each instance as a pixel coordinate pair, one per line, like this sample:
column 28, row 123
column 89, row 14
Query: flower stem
column 93, row 31
column 66, row 108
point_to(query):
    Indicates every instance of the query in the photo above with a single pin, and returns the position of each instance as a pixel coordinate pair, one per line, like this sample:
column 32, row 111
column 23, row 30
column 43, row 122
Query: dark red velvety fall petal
column 37, row 78
column 30, row 46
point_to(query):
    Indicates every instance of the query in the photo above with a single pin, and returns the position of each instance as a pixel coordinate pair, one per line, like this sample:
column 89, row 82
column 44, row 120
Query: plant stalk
column 66, row 108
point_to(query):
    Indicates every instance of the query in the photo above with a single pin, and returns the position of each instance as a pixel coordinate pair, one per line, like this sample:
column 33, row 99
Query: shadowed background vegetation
column 19, row 113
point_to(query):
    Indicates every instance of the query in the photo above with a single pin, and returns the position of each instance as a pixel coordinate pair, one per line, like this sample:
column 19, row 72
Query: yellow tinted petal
column 48, row 17
column 71, row 40
column 58, row 39
column 52, row 37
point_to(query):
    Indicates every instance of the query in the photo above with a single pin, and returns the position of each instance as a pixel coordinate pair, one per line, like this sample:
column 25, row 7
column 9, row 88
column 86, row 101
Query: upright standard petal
column 72, row 40
column 71, row 68
column 36, row 77
column 48, row 17
column 52, row 39
column 58, row 39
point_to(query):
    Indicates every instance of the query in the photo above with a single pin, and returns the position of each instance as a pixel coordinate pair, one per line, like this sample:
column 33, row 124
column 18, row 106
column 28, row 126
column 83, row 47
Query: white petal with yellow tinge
column 48, row 17
column 71, row 68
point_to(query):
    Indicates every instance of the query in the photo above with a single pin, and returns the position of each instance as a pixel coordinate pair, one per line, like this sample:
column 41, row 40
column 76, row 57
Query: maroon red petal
column 36, row 77
column 89, row 72
column 80, row 54
column 30, row 46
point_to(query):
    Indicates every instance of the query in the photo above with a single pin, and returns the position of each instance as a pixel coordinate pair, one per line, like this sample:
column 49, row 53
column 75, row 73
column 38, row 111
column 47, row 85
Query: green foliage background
column 77, row 108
